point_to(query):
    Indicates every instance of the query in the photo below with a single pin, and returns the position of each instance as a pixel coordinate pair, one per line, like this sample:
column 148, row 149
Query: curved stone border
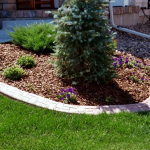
column 33, row 99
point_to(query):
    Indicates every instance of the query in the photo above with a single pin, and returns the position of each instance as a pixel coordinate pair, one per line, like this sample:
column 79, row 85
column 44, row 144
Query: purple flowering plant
column 134, row 78
column 143, row 80
column 67, row 95
column 119, row 61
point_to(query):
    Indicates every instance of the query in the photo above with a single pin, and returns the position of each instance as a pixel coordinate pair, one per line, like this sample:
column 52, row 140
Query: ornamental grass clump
column 67, row 95
column 84, row 41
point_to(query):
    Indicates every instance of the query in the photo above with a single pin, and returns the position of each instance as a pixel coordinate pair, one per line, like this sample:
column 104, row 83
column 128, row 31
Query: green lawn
column 25, row 127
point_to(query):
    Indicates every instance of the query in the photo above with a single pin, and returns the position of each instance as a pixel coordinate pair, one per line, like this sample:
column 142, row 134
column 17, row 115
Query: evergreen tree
column 84, row 41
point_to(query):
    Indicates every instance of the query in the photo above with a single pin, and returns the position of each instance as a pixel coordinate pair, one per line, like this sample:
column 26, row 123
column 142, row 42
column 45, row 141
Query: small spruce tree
column 84, row 41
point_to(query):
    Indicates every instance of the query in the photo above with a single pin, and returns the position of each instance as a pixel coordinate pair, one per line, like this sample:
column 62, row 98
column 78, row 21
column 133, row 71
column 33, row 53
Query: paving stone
column 39, row 13
column 60, row 105
column 73, row 111
column 29, row 14
column 25, row 99
column 62, row 110
column 51, row 106
column 20, row 14
column 5, row 14
column 41, row 104
column 71, row 106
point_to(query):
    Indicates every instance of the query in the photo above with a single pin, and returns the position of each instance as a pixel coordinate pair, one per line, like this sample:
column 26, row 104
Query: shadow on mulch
column 102, row 94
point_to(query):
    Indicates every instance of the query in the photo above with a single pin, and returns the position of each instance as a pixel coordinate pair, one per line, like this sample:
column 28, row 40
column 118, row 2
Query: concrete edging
column 36, row 100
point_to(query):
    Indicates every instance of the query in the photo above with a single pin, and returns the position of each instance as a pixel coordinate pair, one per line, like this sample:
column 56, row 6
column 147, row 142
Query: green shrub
column 26, row 61
column 84, row 41
column 35, row 37
column 13, row 72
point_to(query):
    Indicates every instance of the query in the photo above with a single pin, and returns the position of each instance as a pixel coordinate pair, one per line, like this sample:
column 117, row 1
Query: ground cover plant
column 25, row 127
column 35, row 37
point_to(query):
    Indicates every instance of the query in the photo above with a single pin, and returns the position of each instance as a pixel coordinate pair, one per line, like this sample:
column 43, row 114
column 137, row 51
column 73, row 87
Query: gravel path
column 137, row 46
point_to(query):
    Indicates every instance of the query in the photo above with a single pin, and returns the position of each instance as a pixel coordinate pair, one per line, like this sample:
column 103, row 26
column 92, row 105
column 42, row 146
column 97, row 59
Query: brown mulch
column 42, row 80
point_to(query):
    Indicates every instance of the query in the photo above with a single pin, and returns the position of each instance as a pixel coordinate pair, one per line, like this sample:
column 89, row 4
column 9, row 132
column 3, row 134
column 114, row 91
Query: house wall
column 7, row 4
column 122, row 15
column 140, row 3
column 8, row 11
column 126, row 15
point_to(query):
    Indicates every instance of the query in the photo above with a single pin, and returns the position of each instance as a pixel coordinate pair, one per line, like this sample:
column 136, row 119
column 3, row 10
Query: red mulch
column 42, row 80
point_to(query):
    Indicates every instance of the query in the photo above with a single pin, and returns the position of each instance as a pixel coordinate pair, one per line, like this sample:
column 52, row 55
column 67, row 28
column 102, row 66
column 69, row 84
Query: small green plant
column 35, row 37
column 67, row 95
column 13, row 72
column 135, row 79
column 26, row 61
column 108, row 99
column 31, row 88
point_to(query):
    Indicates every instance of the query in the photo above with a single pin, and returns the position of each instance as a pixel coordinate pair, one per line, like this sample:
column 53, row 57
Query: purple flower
column 142, row 79
column 120, row 63
column 62, row 90
column 136, row 65
column 134, row 73
column 148, row 72
column 127, row 78
column 144, row 64
column 126, row 60
column 115, row 59
column 62, row 98
column 68, row 95
column 115, row 64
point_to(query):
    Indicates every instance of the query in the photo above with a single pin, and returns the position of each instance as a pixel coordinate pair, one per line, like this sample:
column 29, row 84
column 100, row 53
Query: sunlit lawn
column 25, row 127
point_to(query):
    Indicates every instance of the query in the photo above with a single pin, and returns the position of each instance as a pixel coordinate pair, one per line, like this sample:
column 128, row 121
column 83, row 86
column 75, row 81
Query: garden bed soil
column 42, row 80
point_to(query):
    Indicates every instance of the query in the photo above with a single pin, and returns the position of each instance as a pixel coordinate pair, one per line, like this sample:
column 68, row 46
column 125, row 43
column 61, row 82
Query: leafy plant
column 26, row 61
column 135, row 78
column 13, row 72
column 67, row 95
column 31, row 88
column 108, row 99
column 84, row 41
column 35, row 37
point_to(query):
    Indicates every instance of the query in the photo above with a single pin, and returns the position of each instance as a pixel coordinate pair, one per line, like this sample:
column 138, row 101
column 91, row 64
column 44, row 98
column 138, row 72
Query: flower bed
column 131, row 86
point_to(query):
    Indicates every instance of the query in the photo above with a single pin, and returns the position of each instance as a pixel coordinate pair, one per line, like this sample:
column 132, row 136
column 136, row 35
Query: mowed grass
column 25, row 127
